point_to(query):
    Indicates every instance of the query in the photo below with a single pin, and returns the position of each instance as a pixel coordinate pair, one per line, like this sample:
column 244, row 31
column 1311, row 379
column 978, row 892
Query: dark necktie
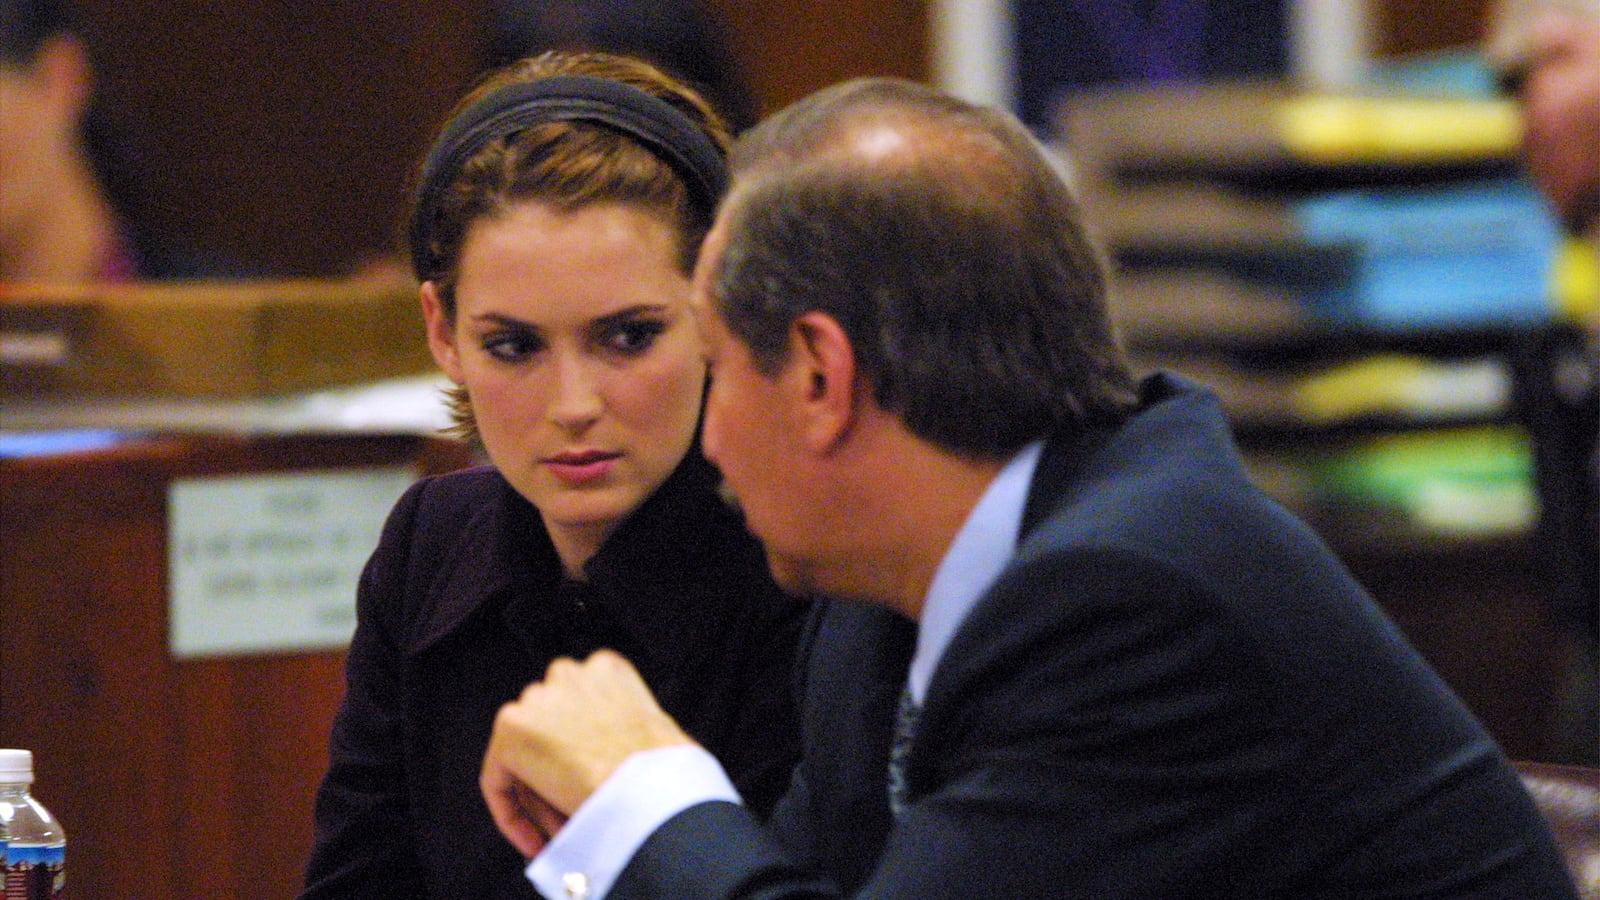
column 905, row 725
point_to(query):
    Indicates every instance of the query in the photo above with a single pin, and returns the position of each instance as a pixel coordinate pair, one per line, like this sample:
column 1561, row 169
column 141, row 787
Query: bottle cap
column 16, row 766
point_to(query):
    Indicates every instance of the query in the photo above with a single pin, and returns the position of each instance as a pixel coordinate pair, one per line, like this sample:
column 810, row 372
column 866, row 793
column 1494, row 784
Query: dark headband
column 651, row 121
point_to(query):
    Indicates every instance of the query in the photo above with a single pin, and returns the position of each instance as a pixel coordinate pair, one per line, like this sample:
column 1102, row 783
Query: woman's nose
column 577, row 400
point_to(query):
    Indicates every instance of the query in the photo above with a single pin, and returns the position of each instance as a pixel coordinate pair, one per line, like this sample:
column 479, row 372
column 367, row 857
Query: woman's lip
column 577, row 468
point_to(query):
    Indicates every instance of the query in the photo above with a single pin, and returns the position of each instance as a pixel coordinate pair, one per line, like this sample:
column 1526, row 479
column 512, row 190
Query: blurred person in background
column 71, row 204
column 1549, row 51
column 1066, row 45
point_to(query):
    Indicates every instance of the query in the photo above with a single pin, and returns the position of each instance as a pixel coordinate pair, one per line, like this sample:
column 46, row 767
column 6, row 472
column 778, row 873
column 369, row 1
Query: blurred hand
column 556, row 744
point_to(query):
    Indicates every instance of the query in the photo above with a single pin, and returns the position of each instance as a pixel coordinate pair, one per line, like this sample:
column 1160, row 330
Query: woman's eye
column 633, row 338
column 511, row 347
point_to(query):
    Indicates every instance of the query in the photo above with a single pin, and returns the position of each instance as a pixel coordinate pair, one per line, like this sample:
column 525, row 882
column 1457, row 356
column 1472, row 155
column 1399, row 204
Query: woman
column 555, row 227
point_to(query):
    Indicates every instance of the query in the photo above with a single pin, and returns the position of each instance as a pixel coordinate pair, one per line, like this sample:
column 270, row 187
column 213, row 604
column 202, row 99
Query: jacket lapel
column 501, row 545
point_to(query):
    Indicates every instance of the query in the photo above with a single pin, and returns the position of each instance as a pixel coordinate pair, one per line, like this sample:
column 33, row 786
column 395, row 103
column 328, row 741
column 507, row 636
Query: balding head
column 944, row 240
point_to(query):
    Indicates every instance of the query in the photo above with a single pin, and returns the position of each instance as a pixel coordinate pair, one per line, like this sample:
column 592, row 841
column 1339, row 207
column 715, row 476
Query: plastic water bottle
column 36, row 844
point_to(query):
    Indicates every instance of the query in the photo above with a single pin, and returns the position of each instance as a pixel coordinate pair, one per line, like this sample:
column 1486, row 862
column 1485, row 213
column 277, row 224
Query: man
column 1136, row 676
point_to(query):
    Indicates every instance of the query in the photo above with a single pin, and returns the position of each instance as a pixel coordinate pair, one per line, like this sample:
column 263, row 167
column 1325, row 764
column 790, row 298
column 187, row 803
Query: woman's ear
column 821, row 375
column 441, row 333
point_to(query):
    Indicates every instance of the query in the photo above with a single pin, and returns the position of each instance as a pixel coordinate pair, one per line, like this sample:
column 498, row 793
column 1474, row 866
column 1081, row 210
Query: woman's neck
column 576, row 545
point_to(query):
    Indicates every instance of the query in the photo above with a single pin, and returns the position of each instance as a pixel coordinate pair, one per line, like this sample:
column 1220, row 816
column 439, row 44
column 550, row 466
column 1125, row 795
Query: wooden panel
column 174, row 779
column 263, row 338
column 1415, row 26
column 788, row 51
column 282, row 132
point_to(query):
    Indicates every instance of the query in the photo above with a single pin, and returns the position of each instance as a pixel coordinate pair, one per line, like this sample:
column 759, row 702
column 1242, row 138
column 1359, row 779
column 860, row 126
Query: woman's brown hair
column 568, row 162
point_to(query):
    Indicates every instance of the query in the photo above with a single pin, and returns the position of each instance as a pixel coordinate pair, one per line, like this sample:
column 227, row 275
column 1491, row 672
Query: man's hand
column 557, row 743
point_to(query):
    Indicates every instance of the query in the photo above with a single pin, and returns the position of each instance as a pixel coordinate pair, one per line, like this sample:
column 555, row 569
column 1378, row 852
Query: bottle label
column 35, row 872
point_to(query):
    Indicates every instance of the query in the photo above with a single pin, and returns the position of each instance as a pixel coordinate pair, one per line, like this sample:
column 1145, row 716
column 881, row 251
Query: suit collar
column 1174, row 414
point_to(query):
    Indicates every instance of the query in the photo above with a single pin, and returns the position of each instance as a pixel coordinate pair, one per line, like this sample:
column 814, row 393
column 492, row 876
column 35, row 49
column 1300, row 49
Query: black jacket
column 463, row 604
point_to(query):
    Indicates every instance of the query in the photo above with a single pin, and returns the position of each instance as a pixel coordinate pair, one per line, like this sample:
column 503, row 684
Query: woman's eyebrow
column 630, row 312
column 504, row 321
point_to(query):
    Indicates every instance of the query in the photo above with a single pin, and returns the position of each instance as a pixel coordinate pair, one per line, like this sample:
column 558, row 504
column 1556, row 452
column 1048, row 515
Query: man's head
column 943, row 239
column 899, row 293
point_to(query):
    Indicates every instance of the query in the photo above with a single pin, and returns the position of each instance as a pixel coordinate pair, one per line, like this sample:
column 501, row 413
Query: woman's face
column 574, row 340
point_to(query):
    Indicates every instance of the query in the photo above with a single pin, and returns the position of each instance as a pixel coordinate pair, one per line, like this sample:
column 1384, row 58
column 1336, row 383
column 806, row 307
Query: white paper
column 269, row 562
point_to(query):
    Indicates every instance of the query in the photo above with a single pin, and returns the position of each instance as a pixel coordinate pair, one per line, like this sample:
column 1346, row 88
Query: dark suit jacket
column 463, row 604
column 1173, row 690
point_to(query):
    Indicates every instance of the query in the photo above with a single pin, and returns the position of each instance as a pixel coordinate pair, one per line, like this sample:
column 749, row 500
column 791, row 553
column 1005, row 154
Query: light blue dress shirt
column 981, row 550
column 584, row 859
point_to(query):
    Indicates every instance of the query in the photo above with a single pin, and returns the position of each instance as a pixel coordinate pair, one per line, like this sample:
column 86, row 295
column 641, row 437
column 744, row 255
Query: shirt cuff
column 585, row 857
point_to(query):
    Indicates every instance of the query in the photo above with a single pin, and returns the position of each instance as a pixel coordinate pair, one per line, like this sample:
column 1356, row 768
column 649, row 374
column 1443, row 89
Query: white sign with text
column 269, row 563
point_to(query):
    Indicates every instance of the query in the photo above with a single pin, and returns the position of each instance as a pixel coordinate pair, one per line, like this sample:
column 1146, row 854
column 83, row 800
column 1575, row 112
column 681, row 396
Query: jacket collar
column 1173, row 412
column 502, row 555
column 499, row 545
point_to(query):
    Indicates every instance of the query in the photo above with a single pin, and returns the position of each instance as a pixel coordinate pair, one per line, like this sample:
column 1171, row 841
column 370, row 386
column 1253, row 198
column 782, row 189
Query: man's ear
column 822, row 378
column 441, row 333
